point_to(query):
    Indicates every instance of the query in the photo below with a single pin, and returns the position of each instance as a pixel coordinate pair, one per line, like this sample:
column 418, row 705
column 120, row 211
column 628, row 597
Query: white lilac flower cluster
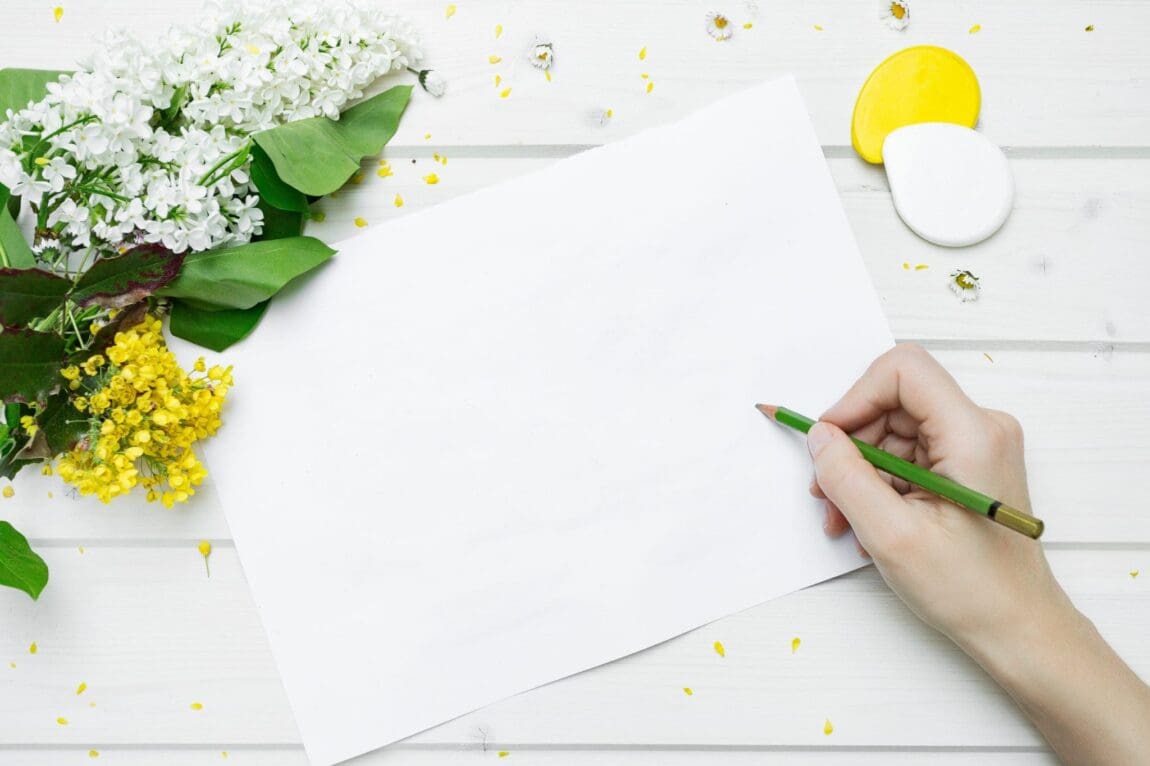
column 149, row 141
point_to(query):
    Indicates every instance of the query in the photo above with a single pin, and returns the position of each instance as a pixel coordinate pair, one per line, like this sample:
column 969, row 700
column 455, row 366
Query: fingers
column 905, row 378
column 853, row 485
column 835, row 524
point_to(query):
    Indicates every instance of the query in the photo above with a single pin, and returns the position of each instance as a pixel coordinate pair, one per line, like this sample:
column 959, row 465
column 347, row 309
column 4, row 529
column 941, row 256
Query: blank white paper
column 513, row 437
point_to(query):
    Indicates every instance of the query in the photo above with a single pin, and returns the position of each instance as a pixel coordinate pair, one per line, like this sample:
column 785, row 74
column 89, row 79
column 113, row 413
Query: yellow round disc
column 920, row 84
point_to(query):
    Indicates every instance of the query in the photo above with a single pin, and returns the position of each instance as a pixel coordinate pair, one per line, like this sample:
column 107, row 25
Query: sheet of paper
column 513, row 437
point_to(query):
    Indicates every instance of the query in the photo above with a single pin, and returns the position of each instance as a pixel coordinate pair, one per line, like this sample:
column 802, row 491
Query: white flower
column 432, row 82
column 719, row 26
column 542, row 56
column 896, row 13
column 965, row 285
column 56, row 172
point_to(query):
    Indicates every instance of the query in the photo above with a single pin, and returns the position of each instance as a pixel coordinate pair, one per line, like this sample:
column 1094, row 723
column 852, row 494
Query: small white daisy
column 964, row 285
column 896, row 13
column 542, row 56
column 719, row 26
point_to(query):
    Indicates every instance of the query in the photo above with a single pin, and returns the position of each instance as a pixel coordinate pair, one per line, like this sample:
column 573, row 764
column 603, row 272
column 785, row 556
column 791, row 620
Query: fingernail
column 818, row 437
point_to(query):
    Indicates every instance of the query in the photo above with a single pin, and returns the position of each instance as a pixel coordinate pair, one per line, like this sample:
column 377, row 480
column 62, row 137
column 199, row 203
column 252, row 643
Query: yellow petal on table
column 360, row 222
column 449, row 11
column 643, row 53
column 426, row 136
column 58, row 13
column 62, row 721
column 720, row 649
column 431, row 179
column 1089, row 27
column 494, row 59
column 498, row 80
column 547, row 74
column 8, row 491
column 818, row 27
column 498, row 31
column 795, row 643
column 828, row 727
column 975, row 29
column 32, row 649
column 503, row 753
column 196, row 706
column 93, row 753
column 398, row 201
column 1133, row 572
column 650, row 86
column 923, row 83
column 748, row 25
column 505, row 93
column 81, row 688
column 688, row 691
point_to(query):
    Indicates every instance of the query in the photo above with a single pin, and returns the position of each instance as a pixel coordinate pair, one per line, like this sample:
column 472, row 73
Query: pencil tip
column 767, row 409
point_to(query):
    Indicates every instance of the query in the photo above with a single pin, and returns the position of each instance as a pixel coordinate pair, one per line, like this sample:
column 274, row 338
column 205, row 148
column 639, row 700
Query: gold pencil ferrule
column 1017, row 520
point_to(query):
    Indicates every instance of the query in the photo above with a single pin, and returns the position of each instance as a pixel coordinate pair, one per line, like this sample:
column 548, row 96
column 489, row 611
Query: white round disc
column 951, row 185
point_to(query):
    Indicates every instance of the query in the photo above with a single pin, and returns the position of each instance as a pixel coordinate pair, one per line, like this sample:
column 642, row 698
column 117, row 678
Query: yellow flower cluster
column 144, row 413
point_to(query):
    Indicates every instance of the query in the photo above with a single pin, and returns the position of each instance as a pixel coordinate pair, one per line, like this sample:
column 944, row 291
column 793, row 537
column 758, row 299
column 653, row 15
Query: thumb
column 853, row 484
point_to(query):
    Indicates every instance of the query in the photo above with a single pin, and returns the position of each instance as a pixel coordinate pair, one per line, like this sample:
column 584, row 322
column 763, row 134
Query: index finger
column 906, row 378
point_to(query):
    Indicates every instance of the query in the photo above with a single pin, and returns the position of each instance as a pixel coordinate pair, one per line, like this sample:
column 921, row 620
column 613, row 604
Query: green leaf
column 240, row 277
column 279, row 224
column 19, row 87
column 29, row 293
column 214, row 329
column 14, row 250
column 29, row 365
column 128, row 278
column 61, row 424
column 20, row 567
column 317, row 155
column 271, row 187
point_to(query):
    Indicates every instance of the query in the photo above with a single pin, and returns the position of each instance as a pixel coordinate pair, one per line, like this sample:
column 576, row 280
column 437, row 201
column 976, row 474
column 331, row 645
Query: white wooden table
column 1061, row 337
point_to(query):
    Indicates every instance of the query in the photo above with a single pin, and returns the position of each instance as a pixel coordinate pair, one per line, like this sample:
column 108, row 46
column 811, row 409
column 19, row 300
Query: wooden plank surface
column 150, row 634
column 1086, row 414
column 1097, row 92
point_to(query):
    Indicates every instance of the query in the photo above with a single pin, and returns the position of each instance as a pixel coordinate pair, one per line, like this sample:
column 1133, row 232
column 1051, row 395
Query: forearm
column 1088, row 704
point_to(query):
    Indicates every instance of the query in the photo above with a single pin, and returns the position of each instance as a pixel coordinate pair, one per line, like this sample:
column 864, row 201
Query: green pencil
column 1012, row 518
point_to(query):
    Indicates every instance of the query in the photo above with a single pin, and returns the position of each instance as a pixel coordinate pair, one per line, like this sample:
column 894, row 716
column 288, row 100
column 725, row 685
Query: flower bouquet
column 167, row 179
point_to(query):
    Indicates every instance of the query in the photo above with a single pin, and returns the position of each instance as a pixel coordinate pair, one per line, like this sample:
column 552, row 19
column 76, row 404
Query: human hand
column 975, row 581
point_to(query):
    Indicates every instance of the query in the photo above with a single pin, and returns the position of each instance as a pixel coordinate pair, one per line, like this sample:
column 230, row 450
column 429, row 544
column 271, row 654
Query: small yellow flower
column 28, row 423
column 205, row 548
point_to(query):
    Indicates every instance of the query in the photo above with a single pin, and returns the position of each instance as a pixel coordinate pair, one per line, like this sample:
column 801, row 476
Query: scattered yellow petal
column 450, row 11
column 795, row 643
column 33, row 648
column 384, row 171
column 253, row 49
column 81, row 549
column 224, row 754
column 921, row 266
column 547, row 74
column 643, row 53
column 828, row 727
column 498, row 80
column 81, row 688
column 645, row 76
column 93, row 753
column 426, row 136
column 62, row 721
column 975, row 29
column 610, row 113
column 505, row 93
column 1133, row 573
column 196, row 706
column 8, row 491
column 360, row 222
column 91, row 704
column 748, row 25
column 443, row 160
column 905, row 266
column 50, row 495
column 398, row 201
column 431, row 179
column 12, row 665
column 494, row 59
column 503, row 753
column 989, row 358
column 498, row 31
column 1089, row 27
column 818, row 27
column 719, row 649
column 58, row 13
column 688, row 691
column 650, row 87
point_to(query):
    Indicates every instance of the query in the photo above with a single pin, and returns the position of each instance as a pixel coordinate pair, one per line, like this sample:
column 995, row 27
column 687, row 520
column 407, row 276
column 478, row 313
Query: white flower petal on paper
column 542, row 56
column 965, row 285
